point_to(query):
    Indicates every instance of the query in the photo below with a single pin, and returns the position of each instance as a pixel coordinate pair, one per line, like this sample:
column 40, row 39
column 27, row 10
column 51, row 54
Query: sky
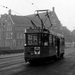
column 65, row 9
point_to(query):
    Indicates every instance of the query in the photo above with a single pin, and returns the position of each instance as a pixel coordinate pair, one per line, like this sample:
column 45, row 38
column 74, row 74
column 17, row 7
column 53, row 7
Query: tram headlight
column 45, row 43
column 24, row 44
column 25, row 31
column 36, row 50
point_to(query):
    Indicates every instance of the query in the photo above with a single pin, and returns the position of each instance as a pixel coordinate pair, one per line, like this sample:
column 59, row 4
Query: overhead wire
column 26, row 16
column 32, row 4
column 19, row 14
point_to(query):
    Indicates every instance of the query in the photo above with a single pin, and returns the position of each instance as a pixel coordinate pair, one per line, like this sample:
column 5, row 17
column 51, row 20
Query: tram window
column 29, row 39
column 50, row 39
column 46, row 39
column 56, row 41
column 53, row 40
column 35, row 40
column 62, row 41
column 25, row 38
column 39, row 39
column 32, row 39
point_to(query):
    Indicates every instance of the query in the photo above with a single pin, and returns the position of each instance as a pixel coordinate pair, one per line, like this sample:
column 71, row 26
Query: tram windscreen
column 32, row 39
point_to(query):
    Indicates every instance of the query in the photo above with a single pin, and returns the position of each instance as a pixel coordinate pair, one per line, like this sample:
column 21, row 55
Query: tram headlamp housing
column 36, row 50
column 24, row 44
column 45, row 43
column 25, row 31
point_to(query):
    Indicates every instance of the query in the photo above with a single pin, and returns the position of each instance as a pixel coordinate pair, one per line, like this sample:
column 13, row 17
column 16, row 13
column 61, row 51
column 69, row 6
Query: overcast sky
column 65, row 9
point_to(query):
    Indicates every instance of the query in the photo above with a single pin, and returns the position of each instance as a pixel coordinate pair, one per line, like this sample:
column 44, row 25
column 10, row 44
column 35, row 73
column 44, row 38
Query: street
column 15, row 65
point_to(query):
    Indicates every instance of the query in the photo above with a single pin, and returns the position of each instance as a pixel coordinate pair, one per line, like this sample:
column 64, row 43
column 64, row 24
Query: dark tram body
column 41, row 44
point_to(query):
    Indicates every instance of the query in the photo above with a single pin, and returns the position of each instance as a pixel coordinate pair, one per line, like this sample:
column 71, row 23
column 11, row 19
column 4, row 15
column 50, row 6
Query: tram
column 42, row 44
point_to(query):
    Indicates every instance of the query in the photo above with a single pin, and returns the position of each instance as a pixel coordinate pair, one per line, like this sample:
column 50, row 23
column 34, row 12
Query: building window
column 9, row 23
column 14, row 43
column 9, row 28
column 17, row 28
column 18, row 36
column 6, row 35
column 21, row 36
column 0, row 35
column 22, row 43
column 7, row 43
column 9, row 35
column 19, row 43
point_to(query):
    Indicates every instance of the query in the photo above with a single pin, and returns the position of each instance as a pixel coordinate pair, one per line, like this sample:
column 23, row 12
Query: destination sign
column 33, row 30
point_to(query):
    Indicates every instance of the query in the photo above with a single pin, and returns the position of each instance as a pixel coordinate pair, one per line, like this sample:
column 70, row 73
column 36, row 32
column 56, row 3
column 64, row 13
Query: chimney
column 53, row 8
column 9, row 12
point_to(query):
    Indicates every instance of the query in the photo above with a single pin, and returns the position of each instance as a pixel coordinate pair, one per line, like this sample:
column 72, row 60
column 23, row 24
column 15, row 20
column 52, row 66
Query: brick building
column 12, row 28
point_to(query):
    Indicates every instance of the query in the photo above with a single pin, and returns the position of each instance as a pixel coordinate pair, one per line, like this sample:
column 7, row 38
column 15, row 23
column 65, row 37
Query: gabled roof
column 19, row 19
column 27, row 19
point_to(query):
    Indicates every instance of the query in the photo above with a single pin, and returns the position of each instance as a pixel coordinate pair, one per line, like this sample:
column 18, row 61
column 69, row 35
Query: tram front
column 32, row 44
column 34, row 41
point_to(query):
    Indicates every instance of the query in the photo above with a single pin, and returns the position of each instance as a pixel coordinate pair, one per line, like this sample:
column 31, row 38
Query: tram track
column 28, row 69
column 16, row 65
column 10, row 56
column 12, row 64
column 8, row 63
column 17, row 68
column 33, row 67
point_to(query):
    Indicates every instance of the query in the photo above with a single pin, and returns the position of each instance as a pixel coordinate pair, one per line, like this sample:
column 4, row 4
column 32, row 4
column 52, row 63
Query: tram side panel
column 52, row 45
column 62, row 46
column 52, row 51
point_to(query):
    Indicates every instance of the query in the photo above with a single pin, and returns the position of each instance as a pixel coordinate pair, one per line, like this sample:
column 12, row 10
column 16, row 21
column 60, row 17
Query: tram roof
column 56, row 34
column 43, row 31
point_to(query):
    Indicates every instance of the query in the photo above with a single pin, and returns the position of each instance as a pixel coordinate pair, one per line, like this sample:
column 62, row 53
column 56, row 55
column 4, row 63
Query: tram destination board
column 33, row 30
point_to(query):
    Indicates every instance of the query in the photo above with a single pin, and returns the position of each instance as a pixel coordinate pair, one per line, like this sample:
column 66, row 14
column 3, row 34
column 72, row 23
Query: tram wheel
column 62, row 55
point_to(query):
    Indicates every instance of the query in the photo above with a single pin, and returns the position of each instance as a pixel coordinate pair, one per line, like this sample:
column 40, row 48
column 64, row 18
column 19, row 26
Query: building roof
column 27, row 19
column 19, row 19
